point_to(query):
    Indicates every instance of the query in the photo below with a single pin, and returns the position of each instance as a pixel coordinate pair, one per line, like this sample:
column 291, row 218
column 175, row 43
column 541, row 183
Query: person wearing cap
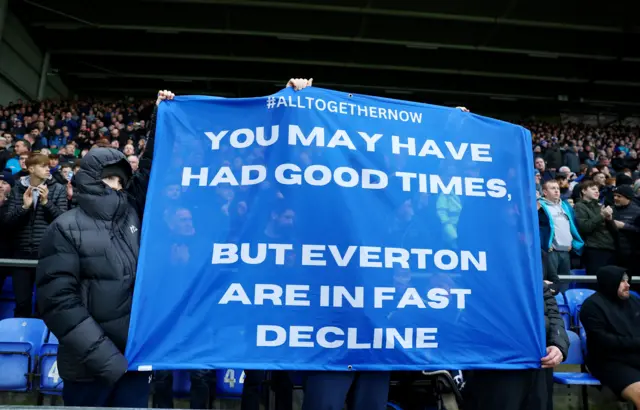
column 86, row 274
column 610, row 320
column 626, row 217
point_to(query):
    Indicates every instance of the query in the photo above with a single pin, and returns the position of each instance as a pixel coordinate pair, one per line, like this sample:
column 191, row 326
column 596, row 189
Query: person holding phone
column 35, row 202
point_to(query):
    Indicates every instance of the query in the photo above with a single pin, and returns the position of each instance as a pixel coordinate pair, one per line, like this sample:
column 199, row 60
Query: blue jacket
column 14, row 165
column 547, row 229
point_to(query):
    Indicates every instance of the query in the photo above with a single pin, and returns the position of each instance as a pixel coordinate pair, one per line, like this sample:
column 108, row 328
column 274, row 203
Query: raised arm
column 139, row 183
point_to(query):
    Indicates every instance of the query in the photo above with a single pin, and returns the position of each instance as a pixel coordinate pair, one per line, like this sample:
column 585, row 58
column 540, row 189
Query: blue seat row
column 28, row 362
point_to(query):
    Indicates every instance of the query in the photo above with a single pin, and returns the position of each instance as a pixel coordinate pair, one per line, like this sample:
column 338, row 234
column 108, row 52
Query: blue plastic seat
column 50, row 381
column 229, row 383
column 20, row 342
column 575, row 356
column 575, row 299
column 563, row 309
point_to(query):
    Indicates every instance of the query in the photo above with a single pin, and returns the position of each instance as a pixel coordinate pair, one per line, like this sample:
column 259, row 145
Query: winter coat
column 594, row 229
column 612, row 324
column 554, row 325
column 87, row 270
column 629, row 235
column 29, row 225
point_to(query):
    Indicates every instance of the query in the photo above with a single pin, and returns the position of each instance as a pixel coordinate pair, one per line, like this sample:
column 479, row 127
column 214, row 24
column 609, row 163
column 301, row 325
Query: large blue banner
column 320, row 230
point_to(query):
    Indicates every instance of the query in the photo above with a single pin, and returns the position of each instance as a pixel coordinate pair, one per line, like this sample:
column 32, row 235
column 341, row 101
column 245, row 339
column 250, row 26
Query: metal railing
column 22, row 263
column 18, row 263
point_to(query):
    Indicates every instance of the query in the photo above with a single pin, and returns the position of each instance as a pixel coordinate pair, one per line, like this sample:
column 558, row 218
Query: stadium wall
column 21, row 64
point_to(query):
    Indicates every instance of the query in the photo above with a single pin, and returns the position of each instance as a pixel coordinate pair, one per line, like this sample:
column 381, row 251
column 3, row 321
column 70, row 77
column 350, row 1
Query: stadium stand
column 567, row 68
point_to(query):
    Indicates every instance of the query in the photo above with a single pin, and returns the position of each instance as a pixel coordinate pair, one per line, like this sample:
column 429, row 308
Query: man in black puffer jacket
column 86, row 276
column 35, row 202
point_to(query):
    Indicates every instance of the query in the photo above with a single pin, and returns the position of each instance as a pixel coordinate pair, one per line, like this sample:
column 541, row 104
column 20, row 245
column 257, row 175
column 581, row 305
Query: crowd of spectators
column 587, row 180
column 593, row 173
column 41, row 144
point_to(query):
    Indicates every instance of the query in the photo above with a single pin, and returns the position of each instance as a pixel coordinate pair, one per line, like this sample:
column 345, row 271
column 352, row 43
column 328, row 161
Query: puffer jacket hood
column 609, row 278
column 94, row 196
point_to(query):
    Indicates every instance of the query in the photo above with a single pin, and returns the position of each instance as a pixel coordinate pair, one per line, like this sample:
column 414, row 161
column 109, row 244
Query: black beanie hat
column 624, row 190
column 120, row 169
column 7, row 177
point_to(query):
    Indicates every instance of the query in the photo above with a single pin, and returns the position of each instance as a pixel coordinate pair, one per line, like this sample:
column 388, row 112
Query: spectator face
column 551, row 191
column 58, row 132
column 128, row 150
column 5, row 188
column 66, row 134
column 563, row 183
column 600, row 179
column 115, row 144
column 115, row 133
column 134, row 162
column 67, row 172
column 564, row 170
column 21, row 148
column 621, row 200
column 35, row 132
column 40, row 171
column 591, row 193
column 53, row 162
column 8, row 138
column 71, row 149
column 23, row 160
column 183, row 222
column 539, row 164
column 623, row 289
column 113, row 182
